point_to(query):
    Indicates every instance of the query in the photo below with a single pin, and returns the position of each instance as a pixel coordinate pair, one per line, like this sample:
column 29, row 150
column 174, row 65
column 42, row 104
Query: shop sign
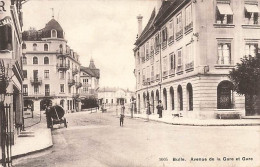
column 5, row 12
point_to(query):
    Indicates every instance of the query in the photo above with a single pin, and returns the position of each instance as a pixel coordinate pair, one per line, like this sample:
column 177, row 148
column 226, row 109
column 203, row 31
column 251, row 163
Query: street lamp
column 160, row 85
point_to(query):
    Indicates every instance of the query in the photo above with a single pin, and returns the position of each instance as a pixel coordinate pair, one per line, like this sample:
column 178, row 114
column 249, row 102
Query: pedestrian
column 122, row 115
column 159, row 109
column 48, row 116
column 148, row 111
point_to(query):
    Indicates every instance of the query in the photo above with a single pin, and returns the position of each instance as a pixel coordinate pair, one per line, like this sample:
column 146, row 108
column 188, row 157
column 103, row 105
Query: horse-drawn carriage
column 56, row 114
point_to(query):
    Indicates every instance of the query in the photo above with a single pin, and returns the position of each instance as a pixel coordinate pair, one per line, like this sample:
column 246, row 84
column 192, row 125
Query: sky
column 102, row 29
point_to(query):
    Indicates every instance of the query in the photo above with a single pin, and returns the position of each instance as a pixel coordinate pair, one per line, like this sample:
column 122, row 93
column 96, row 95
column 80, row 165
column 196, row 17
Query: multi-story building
column 11, row 68
column 89, row 77
column 186, row 50
column 51, row 69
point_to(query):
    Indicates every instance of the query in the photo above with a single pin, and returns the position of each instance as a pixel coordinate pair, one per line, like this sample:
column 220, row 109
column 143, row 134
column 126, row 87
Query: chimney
column 140, row 24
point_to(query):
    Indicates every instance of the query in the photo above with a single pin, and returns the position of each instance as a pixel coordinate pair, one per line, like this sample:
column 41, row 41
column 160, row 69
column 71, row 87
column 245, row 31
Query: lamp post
column 160, row 85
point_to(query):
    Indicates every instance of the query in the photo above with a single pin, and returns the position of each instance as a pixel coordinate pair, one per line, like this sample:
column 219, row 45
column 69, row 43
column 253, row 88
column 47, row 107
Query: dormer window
column 53, row 33
column 46, row 47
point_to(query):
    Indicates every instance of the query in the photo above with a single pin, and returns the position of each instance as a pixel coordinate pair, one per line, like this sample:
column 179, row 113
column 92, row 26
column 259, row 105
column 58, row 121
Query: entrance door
column 225, row 95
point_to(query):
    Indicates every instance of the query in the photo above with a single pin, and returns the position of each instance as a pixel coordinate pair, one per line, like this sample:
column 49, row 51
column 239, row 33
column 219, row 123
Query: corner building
column 51, row 69
column 186, row 50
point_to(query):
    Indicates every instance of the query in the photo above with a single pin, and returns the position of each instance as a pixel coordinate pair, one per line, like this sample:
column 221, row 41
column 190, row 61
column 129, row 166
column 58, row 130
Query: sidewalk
column 35, row 138
column 198, row 122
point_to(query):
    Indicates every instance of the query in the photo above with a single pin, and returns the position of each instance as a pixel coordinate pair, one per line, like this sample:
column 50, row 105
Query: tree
column 246, row 79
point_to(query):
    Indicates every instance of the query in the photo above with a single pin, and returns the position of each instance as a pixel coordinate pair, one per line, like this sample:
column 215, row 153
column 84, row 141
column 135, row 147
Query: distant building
column 186, row 50
column 52, row 70
column 11, row 75
column 115, row 96
column 89, row 77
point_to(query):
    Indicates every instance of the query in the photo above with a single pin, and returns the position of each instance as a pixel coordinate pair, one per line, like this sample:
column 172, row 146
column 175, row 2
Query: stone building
column 186, row 50
column 11, row 76
column 51, row 69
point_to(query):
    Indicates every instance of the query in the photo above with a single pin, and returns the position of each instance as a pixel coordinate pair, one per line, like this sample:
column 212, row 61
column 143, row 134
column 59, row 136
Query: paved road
column 97, row 140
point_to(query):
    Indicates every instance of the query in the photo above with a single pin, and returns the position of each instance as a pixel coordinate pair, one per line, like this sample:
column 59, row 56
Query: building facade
column 186, row 50
column 51, row 69
column 89, row 77
column 11, row 67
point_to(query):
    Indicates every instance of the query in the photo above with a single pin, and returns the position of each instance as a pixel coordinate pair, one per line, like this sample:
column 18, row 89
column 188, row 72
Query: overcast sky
column 102, row 29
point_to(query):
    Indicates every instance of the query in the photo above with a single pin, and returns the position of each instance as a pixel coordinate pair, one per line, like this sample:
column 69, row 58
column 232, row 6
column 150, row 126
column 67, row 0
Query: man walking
column 159, row 109
column 122, row 115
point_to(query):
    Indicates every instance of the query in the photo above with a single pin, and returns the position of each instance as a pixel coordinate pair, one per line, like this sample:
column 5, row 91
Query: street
column 97, row 140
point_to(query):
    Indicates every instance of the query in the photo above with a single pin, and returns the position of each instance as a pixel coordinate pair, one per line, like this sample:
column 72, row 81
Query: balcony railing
column 86, row 85
column 179, row 34
column 25, row 93
column 157, row 77
column 71, row 82
column 63, row 67
column 179, row 69
column 49, row 93
column 78, row 84
column 165, row 74
column 164, row 44
column 171, row 39
column 75, row 71
column 171, row 72
column 36, row 81
column 189, row 66
column 188, row 27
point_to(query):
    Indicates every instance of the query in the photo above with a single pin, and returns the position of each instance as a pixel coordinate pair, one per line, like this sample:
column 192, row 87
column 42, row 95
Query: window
column 143, row 75
column 189, row 57
column 46, row 60
column 61, row 88
column 152, row 46
column 164, row 37
column 251, row 14
column 36, row 89
column 34, row 47
column 224, row 53
column 170, row 31
column 62, row 75
column 24, row 60
column 139, row 77
column 179, row 63
column 224, row 14
column 53, row 33
column 179, row 22
column 46, row 74
column 47, row 90
column 112, row 101
column 172, row 61
column 25, row 73
column 106, row 100
column 157, row 68
column 61, row 48
column 69, row 89
column 148, row 72
column 46, row 47
column 251, row 49
column 6, row 37
column 147, row 50
column 35, row 60
column 188, row 18
column 25, row 90
column 152, row 71
column 165, row 64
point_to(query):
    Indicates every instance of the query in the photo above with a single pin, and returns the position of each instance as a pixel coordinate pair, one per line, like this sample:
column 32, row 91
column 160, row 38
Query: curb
column 191, row 124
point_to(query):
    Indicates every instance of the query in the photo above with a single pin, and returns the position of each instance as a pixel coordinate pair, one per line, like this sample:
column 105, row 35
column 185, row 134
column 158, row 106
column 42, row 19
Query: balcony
column 75, row 71
column 172, row 72
column 164, row 44
column 171, row 40
column 86, row 85
column 36, row 81
column 180, row 69
column 49, row 94
column 78, row 84
column 25, row 93
column 62, row 67
column 157, row 77
column 75, row 95
column 179, row 34
column 35, row 95
column 71, row 82
column 189, row 66
column 148, row 80
column 188, row 28
column 165, row 74
column 152, row 79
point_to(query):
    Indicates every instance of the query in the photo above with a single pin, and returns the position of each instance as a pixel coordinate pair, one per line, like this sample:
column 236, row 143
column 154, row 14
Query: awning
column 252, row 8
column 224, row 9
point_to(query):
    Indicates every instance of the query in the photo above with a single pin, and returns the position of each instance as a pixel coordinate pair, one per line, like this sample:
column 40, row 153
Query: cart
column 57, row 116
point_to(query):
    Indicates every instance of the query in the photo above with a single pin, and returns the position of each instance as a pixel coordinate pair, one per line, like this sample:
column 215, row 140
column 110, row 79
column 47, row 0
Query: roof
column 167, row 8
column 114, row 89
column 91, row 72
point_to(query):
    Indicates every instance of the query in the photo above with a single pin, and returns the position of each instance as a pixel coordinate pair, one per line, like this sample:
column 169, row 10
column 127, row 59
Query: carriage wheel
column 65, row 123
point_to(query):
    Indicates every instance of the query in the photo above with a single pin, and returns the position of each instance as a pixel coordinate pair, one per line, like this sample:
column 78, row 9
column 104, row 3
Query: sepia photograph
column 130, row 83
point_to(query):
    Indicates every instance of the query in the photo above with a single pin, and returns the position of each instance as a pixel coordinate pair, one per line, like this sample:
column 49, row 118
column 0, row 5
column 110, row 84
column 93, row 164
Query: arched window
column 165, row 98
column 180, row 98
column 61, row 48
column 35, row 60
column 225, row 95
column 53, row 33
column 189, row 97
column 46, row 47
column 172, row 97
column 46, row 60
column 34, row 47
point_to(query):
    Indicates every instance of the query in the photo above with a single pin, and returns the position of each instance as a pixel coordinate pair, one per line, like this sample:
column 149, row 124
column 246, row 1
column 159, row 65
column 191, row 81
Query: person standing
column 122, row 115
column 48, row 116
column 159, row 109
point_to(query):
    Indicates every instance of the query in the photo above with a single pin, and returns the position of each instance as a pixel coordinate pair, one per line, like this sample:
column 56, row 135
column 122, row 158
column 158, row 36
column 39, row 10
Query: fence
column 6, row 136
